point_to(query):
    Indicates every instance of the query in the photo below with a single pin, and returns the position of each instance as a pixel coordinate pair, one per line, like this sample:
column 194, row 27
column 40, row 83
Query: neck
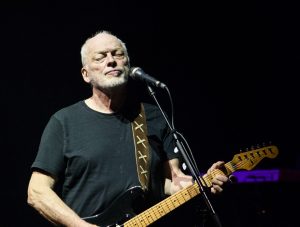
column 109, row 101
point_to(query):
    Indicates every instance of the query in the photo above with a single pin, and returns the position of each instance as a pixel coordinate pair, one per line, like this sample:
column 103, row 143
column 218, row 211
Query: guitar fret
column 176, row 202
column 156, row 212
column 152, row 211
column 161, row 210
column 140, row 221
column 170, row 205
column 183, row 195
column 193, row 192
column 167, row 207
column 145, row 219
column 230, row 167
column 149, row 217
column 136, row 221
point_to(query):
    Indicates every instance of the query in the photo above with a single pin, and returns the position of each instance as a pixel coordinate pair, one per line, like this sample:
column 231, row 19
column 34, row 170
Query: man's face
column 107, row 63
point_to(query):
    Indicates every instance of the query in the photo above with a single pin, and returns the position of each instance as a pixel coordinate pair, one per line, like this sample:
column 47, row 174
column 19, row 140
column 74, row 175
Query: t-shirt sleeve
column 50, row 156
column 170, row 148
column 158, row 127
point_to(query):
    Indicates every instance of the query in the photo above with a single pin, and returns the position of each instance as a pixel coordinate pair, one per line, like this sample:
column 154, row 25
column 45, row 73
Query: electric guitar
column 120, row 212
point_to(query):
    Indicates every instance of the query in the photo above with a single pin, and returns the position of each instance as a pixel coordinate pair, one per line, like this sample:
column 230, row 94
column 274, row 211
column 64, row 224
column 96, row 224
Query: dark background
column 231, row 67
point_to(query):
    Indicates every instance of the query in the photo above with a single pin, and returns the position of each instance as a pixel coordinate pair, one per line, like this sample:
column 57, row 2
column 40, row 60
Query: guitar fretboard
column 164, row 207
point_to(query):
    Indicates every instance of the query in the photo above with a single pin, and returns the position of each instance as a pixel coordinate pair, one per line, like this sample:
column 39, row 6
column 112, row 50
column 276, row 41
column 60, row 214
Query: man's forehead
column 104, row 42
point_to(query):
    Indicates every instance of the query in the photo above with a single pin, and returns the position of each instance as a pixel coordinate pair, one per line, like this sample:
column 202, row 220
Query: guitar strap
column 142, row 154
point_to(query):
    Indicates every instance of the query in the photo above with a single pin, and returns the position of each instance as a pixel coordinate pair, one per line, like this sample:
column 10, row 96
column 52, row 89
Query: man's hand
column 219, row 178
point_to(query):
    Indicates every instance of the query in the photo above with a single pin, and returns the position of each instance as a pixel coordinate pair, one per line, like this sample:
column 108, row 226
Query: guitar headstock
column 249, row 159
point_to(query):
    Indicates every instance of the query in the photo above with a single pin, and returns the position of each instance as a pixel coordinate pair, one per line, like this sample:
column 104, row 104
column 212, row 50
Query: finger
column 215, row 165
column 217, row 188
column 222, row 178
column 213, row 190
column 217, row 182
column 218, row 164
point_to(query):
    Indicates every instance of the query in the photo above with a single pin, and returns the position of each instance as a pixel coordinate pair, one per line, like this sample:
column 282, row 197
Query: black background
column 231, row 68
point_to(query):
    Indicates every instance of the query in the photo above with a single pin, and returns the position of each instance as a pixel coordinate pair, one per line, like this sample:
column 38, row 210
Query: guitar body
column 120, row 210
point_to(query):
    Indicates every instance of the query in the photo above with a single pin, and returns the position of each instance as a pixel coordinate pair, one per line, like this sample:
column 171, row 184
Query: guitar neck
column 164, row 207
column 246, row 160
column 172, row 202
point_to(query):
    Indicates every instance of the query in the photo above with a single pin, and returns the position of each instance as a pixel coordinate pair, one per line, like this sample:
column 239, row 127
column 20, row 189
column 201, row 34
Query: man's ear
column 85, row 76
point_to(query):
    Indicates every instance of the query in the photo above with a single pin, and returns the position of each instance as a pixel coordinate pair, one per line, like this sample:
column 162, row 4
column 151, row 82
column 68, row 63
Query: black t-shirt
column 92, row 155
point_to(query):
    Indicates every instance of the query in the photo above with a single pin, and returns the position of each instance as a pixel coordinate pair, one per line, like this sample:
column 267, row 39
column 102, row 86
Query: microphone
column 139, row 74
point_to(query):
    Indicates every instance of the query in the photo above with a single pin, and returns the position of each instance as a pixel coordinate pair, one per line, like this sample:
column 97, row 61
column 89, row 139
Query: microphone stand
column 191, row 166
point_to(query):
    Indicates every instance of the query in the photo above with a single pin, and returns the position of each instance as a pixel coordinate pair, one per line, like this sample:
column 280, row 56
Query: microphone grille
column 134, row 71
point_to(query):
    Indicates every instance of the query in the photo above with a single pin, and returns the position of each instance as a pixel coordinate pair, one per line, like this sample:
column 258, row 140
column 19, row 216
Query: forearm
column 175, row 178
column 169, row 171
column 167, row 186
column 48, row 204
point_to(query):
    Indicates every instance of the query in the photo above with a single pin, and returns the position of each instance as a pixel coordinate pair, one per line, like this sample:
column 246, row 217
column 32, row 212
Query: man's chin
column 116, row 82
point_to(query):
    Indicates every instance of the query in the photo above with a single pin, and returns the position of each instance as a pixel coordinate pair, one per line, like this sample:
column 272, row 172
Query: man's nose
column 110, row 57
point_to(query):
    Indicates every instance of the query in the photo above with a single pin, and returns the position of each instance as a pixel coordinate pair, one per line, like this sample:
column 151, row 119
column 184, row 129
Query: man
column 89, row 148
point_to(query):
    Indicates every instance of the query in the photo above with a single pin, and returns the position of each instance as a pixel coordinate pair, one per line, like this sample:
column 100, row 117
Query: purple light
column 274, row 175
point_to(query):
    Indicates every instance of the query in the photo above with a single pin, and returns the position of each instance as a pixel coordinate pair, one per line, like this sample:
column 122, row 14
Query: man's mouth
column 114, row 73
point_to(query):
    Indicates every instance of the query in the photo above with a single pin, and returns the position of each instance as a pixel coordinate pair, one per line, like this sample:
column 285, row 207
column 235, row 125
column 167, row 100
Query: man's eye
column 119, row 54
column 100, row 58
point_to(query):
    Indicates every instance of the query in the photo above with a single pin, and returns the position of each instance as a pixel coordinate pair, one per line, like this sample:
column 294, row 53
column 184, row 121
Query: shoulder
column 153, row 113
column 69, row 111
column 150, row 108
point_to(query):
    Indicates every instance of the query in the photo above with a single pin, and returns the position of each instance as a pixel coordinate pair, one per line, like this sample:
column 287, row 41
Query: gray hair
column 84, row 48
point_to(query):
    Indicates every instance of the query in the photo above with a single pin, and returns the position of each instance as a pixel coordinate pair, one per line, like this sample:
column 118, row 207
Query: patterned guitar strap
column 139, row 130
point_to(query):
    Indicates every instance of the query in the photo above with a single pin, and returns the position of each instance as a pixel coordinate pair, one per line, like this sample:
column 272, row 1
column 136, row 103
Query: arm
column 175, row 178
column 42, row 197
